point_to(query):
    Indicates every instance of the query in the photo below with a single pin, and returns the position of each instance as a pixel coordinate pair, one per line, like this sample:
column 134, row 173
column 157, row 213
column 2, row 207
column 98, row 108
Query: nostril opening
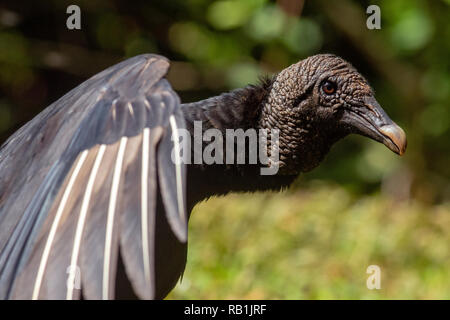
column 372, row 109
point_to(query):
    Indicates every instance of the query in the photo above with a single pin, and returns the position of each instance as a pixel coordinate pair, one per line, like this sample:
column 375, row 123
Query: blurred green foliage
column 316, row 244
column 370, row 207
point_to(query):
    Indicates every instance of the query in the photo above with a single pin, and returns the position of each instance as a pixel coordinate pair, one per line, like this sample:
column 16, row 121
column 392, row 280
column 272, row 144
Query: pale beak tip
column 396, row 138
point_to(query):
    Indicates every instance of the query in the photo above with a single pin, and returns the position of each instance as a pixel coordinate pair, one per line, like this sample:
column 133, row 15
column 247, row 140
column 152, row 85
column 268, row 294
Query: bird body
column 93, row 192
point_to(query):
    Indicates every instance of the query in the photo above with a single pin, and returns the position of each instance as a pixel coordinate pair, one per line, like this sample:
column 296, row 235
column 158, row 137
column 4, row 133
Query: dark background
column 361, row 188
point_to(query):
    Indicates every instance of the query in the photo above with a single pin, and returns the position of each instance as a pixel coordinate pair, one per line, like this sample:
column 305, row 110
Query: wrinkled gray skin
column 313, row 103
column 312, row 120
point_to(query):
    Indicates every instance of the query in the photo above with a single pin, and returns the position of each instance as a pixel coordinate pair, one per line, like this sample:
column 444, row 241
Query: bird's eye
column 329, row 87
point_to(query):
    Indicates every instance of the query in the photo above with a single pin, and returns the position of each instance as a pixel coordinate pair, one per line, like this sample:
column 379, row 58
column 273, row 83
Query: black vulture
column 94, row 200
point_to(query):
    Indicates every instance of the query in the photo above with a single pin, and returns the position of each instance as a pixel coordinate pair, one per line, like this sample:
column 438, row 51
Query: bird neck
column 301, row 144
column 238, row 109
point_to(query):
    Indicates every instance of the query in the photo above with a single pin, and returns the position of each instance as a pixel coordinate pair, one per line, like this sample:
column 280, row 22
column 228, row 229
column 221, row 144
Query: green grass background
column 316, row 244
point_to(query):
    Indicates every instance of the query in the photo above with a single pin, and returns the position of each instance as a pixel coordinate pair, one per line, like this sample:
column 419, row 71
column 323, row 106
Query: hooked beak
column 372, row 121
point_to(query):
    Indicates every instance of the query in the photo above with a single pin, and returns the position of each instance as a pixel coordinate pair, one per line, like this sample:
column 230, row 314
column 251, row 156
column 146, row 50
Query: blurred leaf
column 376, row 162
column 276, row 57
column 111, row 31
column 267, row 23
column 435, row 119
column 412, row 31
column 436, row 84
column 138, row 45
column 229, row 14
column 242, row 74
column 190, row 39
column 15, row 62
column 14, row 49
column 5, row 116
column 302, row 36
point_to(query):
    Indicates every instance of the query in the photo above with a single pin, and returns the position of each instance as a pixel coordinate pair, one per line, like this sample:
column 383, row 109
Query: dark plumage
column 90, row 181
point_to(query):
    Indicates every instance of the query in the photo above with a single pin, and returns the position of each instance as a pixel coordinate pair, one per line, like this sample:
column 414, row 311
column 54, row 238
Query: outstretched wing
column 81, row 179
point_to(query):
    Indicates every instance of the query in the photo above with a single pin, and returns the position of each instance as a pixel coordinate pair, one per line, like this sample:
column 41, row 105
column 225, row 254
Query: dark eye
column 329, row 87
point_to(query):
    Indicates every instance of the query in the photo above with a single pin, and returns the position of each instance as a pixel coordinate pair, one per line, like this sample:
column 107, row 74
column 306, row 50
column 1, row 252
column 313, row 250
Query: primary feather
column 90, row 187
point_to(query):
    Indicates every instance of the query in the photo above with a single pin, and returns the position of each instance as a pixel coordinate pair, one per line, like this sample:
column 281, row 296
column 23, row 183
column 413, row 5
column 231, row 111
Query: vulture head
column 318, row 101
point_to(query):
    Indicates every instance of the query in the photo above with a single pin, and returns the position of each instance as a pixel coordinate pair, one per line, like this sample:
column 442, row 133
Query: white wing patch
column 54, row 227
column 130, row 108
column 178, row 163
column 110, row 220
column 81, row 221
column 144, row 204
column 92, row 189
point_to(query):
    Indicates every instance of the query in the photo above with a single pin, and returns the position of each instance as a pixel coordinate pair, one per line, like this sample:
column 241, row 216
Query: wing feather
column 111, row 243
column 172, row 176
column 137, row 230
column 55, row 223
column 92, row 161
